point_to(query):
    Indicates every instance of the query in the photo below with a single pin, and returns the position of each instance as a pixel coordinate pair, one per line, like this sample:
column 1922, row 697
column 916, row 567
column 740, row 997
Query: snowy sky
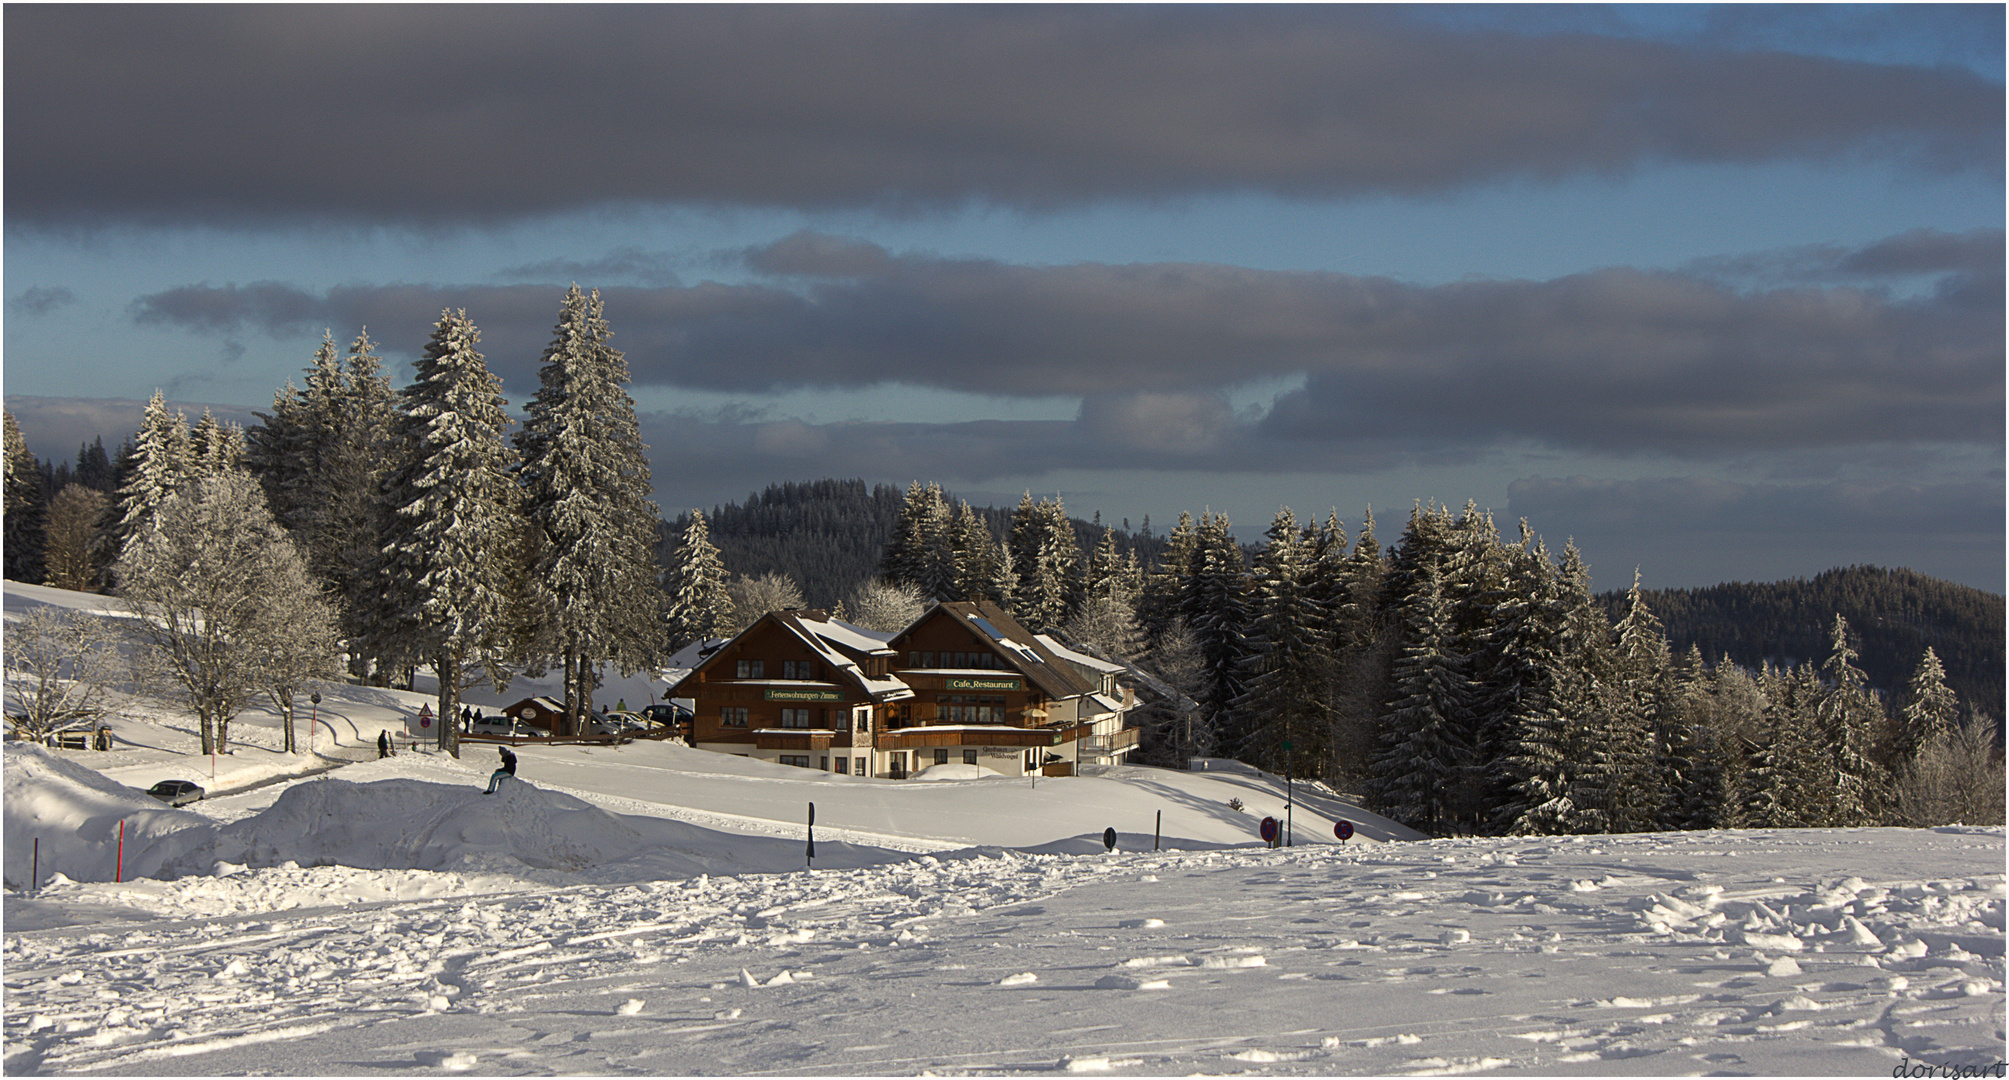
column 1716, row 291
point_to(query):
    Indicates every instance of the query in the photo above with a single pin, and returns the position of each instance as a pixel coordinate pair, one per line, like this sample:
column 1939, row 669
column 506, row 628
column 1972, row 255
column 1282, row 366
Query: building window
column 858, row 766
column 796, row 718
column 942, row 756
column 969, row 757
column 732, row 716
column 798, row 669
column 752, row 669
column 843, row 766
column 825, row 763
column 970, row 709
column 800, row 761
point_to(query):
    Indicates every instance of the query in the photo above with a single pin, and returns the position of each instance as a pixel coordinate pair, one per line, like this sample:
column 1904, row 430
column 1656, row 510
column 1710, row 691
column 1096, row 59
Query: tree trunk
column 292, row 746
column 446, row 665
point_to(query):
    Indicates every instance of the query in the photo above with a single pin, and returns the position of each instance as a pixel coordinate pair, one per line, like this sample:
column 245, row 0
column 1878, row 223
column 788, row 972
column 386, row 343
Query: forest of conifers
column 828, row 535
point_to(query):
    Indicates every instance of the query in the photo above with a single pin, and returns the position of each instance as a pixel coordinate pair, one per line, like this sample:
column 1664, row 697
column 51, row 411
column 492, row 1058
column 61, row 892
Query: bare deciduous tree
column 753, row 597
column 1956, row 778
column 225, row 603
column 883, row 606
column 62, row 670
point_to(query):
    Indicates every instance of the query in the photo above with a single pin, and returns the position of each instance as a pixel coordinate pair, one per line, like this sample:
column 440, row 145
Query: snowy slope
column 647, row 908
column 1737, row 952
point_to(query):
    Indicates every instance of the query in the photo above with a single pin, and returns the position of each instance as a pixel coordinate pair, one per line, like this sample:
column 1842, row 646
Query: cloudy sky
column 1717, row 291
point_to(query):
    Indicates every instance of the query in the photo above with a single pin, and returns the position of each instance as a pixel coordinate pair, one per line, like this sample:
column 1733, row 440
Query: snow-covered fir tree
column 1288, row 668
column 922, row 551
column 1426, row 735
column 695, row 584
column 1930, row 710
column 1848, row 718
column 592, row 593
column 161, row 464
column 1214, row 605
column 23, row 496
column 451, row 553
column 1046, row 559
column 980, row 568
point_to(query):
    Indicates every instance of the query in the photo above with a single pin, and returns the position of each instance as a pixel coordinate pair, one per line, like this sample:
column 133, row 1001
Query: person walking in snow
column 383, row 744
column 508, row 769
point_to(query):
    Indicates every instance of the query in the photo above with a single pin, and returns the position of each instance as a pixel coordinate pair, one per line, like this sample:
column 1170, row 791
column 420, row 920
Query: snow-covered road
column 1816, row 952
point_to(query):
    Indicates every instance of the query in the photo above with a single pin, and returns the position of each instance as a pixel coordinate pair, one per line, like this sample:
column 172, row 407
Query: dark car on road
column 176, row 792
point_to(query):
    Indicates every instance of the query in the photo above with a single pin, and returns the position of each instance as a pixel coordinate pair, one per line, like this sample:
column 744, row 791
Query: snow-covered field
column 647, row 909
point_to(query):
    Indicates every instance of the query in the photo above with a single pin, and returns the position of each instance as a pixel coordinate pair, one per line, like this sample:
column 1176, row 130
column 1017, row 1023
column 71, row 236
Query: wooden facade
column 964, row 684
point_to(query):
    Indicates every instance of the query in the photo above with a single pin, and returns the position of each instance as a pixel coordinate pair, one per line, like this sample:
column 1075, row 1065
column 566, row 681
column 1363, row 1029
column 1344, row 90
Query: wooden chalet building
column 964, row 684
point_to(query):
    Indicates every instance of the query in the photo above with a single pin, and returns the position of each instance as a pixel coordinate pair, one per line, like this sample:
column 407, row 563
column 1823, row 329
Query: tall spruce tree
column 1214, row 604
column 977, row 559
column 1285, row 709
column 1848, row 717
column 161, row 464
column 695, row 584
column 585, row 473
column 1426, row 733
column 454, row 535
column 1930, row 712
column 24, row 499
column 1046, row 560
column 922, row 552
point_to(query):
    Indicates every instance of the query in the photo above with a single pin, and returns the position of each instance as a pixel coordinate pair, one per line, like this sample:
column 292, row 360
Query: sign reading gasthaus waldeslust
column 804, row 695
column 958, row 683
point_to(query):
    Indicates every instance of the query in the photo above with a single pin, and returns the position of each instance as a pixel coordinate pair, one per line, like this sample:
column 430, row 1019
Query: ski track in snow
column 1701, row 952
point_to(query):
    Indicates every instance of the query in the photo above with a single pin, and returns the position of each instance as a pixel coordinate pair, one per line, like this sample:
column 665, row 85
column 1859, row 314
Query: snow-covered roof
column 1092, row 663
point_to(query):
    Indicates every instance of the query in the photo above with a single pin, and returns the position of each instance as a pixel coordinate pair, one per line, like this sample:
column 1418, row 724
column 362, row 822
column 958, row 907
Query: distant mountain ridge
column 1893, row 613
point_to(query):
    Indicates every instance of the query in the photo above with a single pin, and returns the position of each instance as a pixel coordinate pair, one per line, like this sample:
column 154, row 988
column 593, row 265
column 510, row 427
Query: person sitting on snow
column 508, row 769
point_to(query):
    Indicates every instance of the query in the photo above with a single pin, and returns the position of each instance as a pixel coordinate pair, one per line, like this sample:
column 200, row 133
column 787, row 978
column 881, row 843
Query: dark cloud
column 1976, row 253
column 42, row 299
column 1617, row 361
column 447, row 115
column 627, row 265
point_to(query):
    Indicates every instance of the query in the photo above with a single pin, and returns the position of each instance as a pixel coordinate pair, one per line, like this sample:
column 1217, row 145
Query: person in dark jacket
column 508, row 769
column 383, row 744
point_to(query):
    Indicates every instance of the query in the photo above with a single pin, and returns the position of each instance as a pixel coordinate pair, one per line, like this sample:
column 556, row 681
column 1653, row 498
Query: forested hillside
column 1896, row 613
column 829, row 535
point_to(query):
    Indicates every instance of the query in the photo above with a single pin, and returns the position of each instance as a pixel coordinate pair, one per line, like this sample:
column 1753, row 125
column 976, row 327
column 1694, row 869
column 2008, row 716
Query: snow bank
column 67, row 820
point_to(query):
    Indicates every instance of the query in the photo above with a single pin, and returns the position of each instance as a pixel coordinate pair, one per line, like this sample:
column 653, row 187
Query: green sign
column 804, row 695
column 980, row 684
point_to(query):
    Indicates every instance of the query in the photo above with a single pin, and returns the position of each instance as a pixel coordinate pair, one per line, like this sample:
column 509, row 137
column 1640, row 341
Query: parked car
column 176, row 792
column 497, row 725
column 618, row 724
column 674, row 717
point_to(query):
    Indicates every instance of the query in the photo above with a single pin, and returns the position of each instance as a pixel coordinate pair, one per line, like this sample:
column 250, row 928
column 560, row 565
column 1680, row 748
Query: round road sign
column 1270, row 829
column 1343, row 829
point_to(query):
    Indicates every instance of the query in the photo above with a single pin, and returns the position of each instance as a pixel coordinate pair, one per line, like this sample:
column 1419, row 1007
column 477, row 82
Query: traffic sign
column 1109, row 839
column 1270, row 829
column 1343, row 829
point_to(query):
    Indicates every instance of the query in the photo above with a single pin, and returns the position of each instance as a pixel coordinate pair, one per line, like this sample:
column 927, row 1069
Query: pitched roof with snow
column 840, row 644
